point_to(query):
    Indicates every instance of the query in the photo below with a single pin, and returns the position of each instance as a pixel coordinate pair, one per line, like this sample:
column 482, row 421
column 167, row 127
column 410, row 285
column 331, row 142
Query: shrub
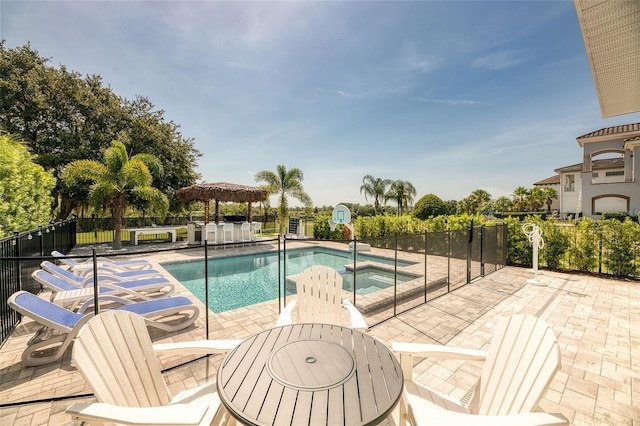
column 25, row 189
column 556, row 243
column 322, row 230
column 428, row 206
column 585, row 248
column 519, row 250
column 621, row 243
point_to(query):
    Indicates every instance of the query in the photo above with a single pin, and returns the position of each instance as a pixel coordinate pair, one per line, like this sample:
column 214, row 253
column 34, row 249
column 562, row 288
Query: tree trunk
column 116, row 205
column 66, row 207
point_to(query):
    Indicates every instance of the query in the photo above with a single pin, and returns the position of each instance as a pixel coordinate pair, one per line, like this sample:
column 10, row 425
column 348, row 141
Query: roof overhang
column 611, row 33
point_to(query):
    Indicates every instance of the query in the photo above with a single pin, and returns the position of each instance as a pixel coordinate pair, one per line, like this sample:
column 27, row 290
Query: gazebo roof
column 222, row 191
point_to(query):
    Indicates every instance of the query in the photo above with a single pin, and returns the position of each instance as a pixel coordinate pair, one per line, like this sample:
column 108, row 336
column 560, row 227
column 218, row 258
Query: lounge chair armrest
column 438, row 351
column 445, row 417
column 285, row 315
column 104, row 270
column 197, row 347
column 357, row 320
column 87, row 280
column 101, row 298
column 176, row 414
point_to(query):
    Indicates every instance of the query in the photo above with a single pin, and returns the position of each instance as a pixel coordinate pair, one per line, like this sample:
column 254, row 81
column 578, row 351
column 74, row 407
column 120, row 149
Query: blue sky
column 452, row 96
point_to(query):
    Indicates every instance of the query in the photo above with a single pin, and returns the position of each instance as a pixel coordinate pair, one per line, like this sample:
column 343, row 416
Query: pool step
column 381, row 278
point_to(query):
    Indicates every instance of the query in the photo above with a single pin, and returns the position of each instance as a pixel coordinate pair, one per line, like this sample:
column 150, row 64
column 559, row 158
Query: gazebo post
column 217, row 219
column 206, row 211
column 249, row 212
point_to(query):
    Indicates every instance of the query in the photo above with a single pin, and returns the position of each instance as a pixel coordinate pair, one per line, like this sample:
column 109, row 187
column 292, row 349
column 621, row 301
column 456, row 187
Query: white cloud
column 499, row 60
column 454, row 102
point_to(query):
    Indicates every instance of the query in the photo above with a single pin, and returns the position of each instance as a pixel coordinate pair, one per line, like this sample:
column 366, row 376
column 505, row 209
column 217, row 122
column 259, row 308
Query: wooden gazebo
column 221, row 191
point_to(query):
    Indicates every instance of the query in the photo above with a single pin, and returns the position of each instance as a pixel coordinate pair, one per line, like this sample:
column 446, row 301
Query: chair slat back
column 522, row 360
column 212, row 232
column 319, row 291
column 114, row 353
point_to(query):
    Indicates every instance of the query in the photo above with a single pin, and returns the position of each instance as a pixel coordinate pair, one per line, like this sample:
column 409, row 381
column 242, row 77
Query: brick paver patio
column 597, row 322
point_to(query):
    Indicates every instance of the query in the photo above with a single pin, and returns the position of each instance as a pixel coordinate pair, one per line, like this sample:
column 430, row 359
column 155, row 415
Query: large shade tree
column 118, row 180
column 430, row 205
column 64, row 116
column 376, row 188
column 25, row 189
column 403, row 193
column 285, row 183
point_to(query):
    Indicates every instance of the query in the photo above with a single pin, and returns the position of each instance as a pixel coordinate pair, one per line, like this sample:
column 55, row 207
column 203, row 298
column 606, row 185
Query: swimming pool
column 240, row 281
column 373, row 278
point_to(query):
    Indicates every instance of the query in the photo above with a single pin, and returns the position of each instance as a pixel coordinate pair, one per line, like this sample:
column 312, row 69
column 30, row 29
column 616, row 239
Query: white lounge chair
column 104, row 274
column 319, row 299
column 114, row 354
column 521, row 361
column 87, row 263
column 46, row 346
column 74, row 297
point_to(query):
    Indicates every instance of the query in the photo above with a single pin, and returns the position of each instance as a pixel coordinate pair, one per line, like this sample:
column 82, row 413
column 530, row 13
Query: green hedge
column 610, row 246
column 606, row 246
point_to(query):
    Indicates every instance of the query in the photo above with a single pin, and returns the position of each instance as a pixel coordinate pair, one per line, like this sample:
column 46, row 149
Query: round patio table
column 307, row 374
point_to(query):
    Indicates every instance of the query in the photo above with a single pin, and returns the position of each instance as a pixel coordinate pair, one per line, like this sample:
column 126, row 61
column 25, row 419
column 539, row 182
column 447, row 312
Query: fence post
column 95, row 282
column 355, row 266
column 449, row 259
column 52, row 226
column 40, row 238
column 395, row 279
column 426, row 252
column 482, row 236
column 280, row 280
column 206, row 282
column 470, row 235
column 600, row 237
column 16, row 246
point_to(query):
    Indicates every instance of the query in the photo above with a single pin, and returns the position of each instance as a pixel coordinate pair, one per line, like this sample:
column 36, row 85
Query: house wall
column 569, row 194
column 611, row 194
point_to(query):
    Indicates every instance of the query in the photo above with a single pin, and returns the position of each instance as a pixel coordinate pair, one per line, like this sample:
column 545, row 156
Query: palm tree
column 116, row 180
column 467, row 205
column 402, row 192
column 503, row 204
column 284, row 183
column 536, row 198
column 519, row 197
column 480, row 197
column 376, row 189
column 550, row 194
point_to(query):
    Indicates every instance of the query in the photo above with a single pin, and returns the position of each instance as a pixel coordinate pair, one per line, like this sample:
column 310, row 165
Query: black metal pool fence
column 20, row 255
column 443, row 261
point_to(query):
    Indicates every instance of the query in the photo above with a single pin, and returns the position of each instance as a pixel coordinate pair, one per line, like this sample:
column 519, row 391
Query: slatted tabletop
column 308, row 374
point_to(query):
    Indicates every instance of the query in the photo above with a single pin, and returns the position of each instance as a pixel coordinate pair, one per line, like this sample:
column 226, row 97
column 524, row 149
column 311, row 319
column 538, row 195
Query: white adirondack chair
column 319, row 299
column 522, row 359
column 114, row 353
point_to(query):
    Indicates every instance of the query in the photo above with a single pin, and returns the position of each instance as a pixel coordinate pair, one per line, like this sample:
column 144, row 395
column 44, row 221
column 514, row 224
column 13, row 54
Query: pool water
column 235, row 282
column 371, row 279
